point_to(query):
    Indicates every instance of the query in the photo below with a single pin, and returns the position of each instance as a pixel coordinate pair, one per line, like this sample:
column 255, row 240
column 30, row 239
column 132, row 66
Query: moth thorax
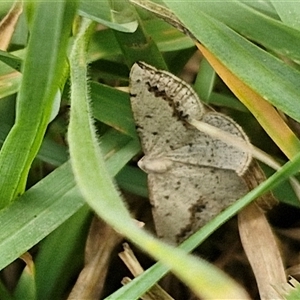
column 154, row 165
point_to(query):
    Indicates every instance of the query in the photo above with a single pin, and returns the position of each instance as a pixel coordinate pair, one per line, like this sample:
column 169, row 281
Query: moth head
column 155, row 165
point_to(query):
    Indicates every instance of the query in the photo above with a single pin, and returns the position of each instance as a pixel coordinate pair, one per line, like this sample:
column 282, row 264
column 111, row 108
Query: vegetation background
column 67, row 131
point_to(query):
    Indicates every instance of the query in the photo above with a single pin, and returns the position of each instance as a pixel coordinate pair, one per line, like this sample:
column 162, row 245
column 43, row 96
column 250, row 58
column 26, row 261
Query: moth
column 192, row 176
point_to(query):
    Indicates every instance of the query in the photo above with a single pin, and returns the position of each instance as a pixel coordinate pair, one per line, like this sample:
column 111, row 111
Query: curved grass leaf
column 98, row 190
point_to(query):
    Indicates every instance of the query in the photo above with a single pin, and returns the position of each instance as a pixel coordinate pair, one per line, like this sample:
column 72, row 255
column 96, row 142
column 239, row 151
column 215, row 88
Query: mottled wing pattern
column 199, row 178
column 156, row 123
column 184, row 202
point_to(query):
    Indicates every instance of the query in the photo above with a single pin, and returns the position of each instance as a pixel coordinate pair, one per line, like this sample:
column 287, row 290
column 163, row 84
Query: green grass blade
column 11, row 60
column 61, row 255
column 146, row 51
column 53, row 200
column 142, row 283
column 37, row 213
column 205, row 81
column 4, row 293
column 42, row 72
column 104, row 44
column 81, row 126
column 133, row 180
column 100, row 193
column 254, row 25
column 289, row 12
column 112, row 107
column 118, row 16
column 265, row 74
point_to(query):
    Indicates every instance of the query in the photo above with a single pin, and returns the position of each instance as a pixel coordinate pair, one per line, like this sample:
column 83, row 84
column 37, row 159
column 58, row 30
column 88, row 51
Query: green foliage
column 257, row 42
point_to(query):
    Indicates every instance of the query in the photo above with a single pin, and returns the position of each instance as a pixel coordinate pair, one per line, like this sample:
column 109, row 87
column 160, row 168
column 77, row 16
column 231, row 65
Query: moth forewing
column 192, row 176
